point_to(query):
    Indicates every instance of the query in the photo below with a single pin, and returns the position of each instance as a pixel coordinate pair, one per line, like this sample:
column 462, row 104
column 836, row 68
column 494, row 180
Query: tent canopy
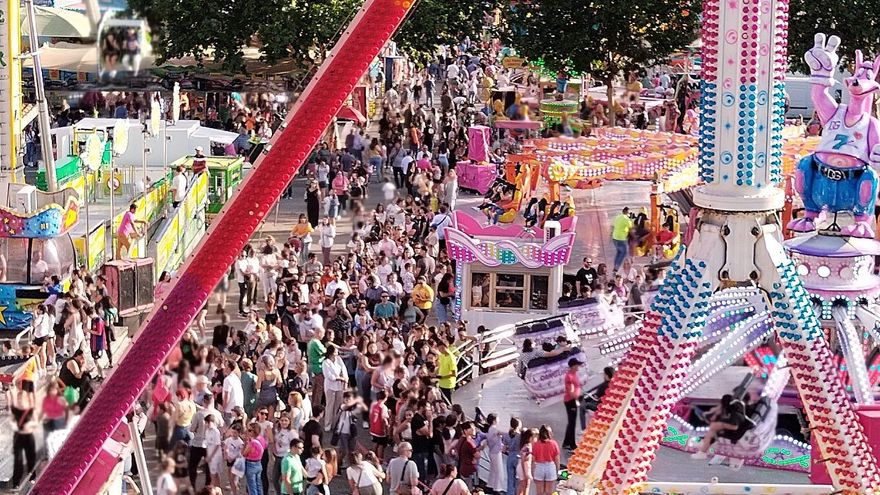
column 57, row 23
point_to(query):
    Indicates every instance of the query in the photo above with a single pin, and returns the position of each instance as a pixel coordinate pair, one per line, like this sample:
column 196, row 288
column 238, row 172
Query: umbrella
column 57, row 23
column 350, row 113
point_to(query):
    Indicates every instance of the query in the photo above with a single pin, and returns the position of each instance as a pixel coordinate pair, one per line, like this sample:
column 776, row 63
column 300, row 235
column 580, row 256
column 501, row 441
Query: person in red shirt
column 468, row 455
column 545, row 453
column 379, row 423
column 199, row 161
column 571, row 397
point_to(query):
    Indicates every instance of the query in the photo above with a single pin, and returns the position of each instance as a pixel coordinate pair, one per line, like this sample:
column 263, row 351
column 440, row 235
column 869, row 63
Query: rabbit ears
column 860, row 64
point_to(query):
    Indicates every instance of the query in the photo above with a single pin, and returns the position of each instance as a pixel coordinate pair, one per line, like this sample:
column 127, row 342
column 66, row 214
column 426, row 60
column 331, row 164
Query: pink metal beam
column 359, row 44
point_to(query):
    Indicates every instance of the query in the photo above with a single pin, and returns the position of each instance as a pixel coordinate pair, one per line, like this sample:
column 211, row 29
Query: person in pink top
column 54, row 414
column 253, row 454
column 571, row 400
column 127, row 231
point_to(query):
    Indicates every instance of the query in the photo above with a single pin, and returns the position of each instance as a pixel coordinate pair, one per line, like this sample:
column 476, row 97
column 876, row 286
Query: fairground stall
column 224, row 175
column 507, row 273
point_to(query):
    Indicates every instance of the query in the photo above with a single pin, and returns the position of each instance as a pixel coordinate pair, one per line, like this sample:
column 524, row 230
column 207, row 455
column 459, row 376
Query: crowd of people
column 348, row 361
column 70, row 352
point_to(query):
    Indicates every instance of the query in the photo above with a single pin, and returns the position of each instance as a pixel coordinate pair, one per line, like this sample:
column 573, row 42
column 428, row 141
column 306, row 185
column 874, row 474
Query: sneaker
column 699, row 455
column 366, row 425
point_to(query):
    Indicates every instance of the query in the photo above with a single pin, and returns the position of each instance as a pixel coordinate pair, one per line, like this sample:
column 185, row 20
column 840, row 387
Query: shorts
column 545, row 471
column 38, row 341
column 380, row 440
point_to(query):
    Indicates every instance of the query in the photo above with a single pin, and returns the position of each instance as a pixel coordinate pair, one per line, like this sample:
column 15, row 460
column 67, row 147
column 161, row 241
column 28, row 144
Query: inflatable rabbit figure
column 839, row 176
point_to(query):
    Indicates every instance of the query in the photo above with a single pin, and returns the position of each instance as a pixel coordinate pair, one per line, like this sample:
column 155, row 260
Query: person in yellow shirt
column 423, row 296
column 633, row 88
column 447, row 369
column 28, row 375
column 620, row 228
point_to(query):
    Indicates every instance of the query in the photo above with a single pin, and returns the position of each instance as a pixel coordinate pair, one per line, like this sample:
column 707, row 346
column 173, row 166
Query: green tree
column 602, row 37
column 293, row 29
column 857, row 22
column 218, row 30
column 444, row 22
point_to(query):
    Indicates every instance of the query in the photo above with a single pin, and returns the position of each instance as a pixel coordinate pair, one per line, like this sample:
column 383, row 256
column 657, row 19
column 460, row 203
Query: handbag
column 357, row 484
column 71, row 395
column 238, row 467
column 405, row 489
column 344, row 416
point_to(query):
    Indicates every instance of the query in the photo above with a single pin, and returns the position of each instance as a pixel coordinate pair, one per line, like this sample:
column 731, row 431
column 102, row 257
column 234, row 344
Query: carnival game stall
column 180, row 139
column 475, row 176
column 504, row 273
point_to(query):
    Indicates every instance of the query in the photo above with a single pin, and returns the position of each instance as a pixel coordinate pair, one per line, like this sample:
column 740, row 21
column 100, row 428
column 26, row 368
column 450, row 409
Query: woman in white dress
column 497, row 471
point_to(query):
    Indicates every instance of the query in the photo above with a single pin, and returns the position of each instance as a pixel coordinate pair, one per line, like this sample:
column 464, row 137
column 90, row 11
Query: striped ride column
column 833, row 421
column 588, row 460
column 683, row 317
column 744, row 47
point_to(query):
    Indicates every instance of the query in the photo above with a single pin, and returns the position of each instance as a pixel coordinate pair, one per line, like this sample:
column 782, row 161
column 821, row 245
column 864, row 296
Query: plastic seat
column 756, row 439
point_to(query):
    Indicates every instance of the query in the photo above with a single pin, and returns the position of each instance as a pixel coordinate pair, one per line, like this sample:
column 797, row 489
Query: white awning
column 215, row 135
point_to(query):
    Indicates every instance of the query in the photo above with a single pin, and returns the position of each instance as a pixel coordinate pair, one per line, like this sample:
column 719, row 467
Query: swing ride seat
column 758, row 437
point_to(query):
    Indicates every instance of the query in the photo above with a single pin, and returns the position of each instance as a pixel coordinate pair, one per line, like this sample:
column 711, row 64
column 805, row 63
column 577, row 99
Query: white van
column 798, row 89
column 800, row 101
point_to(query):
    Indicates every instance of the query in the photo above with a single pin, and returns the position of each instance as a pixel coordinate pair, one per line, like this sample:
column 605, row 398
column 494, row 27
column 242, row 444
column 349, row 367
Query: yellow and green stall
column 225, row 173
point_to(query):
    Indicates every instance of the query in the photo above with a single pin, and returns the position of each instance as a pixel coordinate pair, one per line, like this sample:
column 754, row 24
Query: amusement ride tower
column 737, row 243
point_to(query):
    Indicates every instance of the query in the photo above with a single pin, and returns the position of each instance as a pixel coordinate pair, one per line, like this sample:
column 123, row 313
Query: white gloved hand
column 822, row 59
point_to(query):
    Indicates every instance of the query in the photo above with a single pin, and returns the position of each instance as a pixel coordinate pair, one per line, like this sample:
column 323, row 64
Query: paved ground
column 502, row 392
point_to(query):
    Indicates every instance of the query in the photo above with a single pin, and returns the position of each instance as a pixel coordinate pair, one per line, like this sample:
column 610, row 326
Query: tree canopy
column 602, row 37
column 293, row 29
column 857, row 22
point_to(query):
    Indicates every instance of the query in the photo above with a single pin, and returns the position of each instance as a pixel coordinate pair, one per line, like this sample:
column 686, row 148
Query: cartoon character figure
column 839, row 175
column 498, row 110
